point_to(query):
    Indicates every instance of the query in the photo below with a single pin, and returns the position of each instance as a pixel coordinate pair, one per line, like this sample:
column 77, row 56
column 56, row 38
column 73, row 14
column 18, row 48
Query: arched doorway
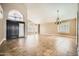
column 15, row 25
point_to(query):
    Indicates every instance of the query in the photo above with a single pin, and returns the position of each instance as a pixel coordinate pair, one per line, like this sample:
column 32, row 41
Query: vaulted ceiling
column 47, row 12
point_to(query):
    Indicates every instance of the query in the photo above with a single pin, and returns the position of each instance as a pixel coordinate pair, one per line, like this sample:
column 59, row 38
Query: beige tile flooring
column 40, row 45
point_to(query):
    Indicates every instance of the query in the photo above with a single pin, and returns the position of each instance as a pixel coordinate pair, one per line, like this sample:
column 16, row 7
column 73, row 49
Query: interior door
column 15, row 29
column 12, row 29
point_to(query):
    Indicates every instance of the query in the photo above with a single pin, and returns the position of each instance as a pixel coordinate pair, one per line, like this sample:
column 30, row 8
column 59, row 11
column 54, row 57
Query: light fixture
column 58, row 21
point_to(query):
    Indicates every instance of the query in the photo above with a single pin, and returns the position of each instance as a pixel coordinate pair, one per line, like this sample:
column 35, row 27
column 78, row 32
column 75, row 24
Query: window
column 15, row 15
column 32, row 28
column 64, row 27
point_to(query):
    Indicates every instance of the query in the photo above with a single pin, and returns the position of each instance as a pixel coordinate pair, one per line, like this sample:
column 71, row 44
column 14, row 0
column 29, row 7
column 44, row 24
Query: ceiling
column 47, row 12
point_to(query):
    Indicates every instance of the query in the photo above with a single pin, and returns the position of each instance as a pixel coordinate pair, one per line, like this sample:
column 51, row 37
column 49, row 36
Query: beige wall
column 51, row 28
column 48, row 28
column 78, row 29
column 73, row 27
column 13, row 6
column 1, row 30
column 1, row 26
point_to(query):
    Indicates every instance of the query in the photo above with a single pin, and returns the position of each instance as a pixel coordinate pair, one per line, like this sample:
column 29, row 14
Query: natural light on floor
column 62, row 44
column 32, row 40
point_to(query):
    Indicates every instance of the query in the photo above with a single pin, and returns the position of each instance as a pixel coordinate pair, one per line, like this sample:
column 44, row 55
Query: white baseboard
column 2, row 41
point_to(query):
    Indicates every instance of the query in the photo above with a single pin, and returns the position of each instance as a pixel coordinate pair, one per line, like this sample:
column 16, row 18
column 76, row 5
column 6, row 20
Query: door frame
column 18, row 23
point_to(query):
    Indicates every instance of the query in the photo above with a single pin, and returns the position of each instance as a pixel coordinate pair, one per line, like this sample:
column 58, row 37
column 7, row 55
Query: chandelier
column 58, row 21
